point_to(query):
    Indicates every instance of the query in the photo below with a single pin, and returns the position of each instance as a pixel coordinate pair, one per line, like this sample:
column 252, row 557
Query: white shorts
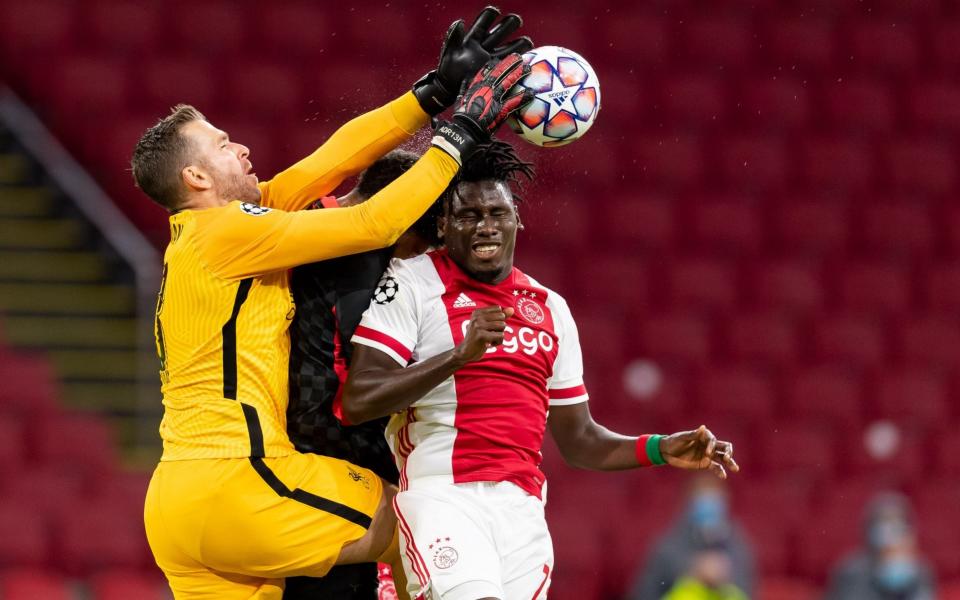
column 474, row 540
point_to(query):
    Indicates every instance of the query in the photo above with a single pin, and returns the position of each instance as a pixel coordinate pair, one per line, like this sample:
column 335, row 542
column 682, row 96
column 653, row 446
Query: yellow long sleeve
column 236, row 241
column 351, row 149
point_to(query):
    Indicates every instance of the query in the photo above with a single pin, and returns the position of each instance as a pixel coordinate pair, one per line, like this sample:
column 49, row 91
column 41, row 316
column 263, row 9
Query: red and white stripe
column 383, row 343
column 413, row 554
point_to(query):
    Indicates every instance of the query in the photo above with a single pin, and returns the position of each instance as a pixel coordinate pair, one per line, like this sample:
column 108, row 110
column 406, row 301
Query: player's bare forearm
column 378, row 386
column 585, row 444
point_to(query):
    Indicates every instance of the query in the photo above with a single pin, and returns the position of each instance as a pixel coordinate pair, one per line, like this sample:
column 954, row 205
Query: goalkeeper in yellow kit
column 232, row 508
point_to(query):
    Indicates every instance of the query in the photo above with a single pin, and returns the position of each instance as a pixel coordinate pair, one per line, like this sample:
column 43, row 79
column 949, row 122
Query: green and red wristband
column 648, row 450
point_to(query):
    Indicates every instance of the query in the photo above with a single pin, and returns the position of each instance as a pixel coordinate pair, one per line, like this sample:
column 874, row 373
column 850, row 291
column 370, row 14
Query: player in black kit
column 331, row 297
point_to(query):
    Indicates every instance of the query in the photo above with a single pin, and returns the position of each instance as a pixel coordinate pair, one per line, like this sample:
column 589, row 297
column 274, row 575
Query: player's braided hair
column 161, row 154
column 496, row 161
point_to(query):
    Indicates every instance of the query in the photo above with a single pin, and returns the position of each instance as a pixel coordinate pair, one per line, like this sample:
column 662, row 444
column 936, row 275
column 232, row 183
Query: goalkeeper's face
column 479, row 229
column 225, row 164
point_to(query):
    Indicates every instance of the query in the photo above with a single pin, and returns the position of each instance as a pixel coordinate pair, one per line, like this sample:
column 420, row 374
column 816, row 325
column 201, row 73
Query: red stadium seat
column 849, row 340
column 837, row 163
column 946, row 38
column 811, row 226
column 128, row 26
column 298, row 28
column 874, row 288
column 878, row 44
column 124, row 585
column 640, row 221
column 931, row 342
column 12, row 448
column 859, row 104
column 911, row 396
column 941, row 286
column 88, row 85
column 922, row 165
column 675, row 338
column 787, row 286
column 47, row 490
column 824, row 392
column 556, row 27
column 762, row 338
column 702, row 283
column 936, row 105
column 907, row 463
column 269, row 90
column 83, row 547
column 393, row 30
column 898, row 229
column 667, row 159
column 562, row 222
column 32, row 584
column 601, row 336
column 804, row 41
column 619, row 280
column 166, row 81
column 214, row 26
column 768, row 531
column 26, row 540
column 740, row 393
column 27, row 385
column 775, row 102
column 726, row 41
column 694, row 99
column 782, row 588
column 727, row 224
column 779, row 444
column 640, row 38
column 623, row 94
column 41, row 26
column 124, row 491
column 754, row 162
column 947, row 456
column 57, row 440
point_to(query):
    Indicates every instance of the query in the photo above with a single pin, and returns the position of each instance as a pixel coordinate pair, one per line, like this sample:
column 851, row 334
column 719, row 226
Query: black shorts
column 346, row 582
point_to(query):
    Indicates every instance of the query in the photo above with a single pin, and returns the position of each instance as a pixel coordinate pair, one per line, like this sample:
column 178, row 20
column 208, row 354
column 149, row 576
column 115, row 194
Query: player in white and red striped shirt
column 470, row 355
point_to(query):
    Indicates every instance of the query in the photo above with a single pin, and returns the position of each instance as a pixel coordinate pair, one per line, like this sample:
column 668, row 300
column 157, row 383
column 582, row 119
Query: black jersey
column 331, row 296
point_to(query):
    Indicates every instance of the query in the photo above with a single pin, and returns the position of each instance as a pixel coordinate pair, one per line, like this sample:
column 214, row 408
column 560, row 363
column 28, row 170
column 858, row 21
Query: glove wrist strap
column 455, row 140
column 433, row 96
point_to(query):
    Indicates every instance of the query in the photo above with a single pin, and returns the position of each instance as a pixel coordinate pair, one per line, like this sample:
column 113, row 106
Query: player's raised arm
column 355, row 145
column 250, row 240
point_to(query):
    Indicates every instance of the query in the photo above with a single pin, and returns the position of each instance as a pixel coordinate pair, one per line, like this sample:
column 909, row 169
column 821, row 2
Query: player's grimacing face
column 479, row 229
column 226, row 162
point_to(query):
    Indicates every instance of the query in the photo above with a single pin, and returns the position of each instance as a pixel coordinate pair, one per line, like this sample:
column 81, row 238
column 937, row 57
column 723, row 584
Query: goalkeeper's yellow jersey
column 225, row 305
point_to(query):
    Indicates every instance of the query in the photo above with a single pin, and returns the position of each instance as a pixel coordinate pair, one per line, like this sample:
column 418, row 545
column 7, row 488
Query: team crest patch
column 530, row 310
column 386, row 291
column 444, row 555
column 254, row 209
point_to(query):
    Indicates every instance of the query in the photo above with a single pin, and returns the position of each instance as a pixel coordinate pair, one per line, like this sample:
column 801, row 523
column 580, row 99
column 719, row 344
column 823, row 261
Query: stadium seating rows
column 763, row 212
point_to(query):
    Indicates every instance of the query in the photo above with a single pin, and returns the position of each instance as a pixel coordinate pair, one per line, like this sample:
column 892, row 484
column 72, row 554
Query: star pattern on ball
column 564, row 93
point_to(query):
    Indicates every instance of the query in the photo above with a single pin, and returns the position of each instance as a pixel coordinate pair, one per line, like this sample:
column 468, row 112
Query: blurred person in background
column 709, row 576
column 889, row 566
column 690, row 549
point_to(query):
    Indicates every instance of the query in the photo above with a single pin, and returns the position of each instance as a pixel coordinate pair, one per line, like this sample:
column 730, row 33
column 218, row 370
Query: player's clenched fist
column 484, row 331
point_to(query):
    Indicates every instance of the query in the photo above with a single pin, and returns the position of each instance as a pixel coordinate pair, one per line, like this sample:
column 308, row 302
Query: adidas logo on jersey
column 463, row 301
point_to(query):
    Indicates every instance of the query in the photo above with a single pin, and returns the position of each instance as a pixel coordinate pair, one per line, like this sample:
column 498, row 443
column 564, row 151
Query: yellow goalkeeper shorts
column 236, row 527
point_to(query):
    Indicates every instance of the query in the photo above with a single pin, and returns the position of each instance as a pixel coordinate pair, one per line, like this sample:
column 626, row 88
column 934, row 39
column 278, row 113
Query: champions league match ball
column 566, row 97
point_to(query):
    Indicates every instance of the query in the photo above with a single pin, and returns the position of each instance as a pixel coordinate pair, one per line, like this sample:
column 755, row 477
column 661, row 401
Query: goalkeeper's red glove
column 483, row 107
column 463, row 54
